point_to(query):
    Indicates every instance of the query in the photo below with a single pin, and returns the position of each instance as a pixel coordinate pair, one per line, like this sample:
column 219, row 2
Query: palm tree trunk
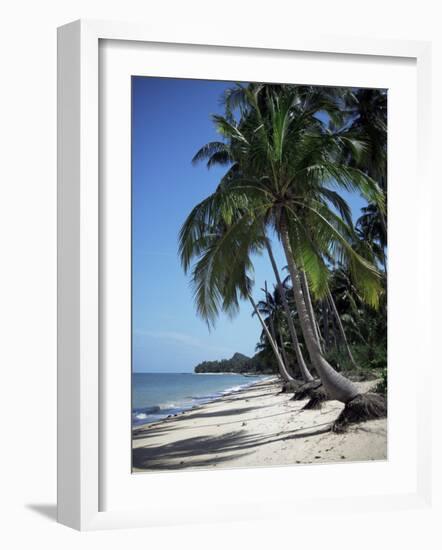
column 305, row 373
column 336, row 340
column 325, row 323
column 341, row 328
column 337, row 386
column 318, row 330
column 273, row 333
column 308, row 301
column 283, row 353
column 284, row 374
column 270, row 315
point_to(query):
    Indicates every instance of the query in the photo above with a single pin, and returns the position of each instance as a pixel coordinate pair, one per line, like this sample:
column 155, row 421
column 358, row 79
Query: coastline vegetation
column 289, row 153
column 260, row 363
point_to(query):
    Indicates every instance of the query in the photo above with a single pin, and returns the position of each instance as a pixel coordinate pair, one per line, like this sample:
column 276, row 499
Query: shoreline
column 197, row 401
column 255, row 426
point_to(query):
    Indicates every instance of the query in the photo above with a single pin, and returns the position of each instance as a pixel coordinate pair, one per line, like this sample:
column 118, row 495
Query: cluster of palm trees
column 288, row 152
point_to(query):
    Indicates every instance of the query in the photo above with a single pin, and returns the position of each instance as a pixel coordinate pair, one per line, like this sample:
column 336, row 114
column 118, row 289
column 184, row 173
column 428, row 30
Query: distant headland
column 238, row 363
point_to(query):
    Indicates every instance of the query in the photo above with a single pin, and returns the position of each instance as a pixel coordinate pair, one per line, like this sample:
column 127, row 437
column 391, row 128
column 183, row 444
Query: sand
column 256, row 427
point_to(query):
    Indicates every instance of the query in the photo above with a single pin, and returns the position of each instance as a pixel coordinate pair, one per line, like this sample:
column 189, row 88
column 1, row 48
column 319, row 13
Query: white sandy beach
column 256, row 427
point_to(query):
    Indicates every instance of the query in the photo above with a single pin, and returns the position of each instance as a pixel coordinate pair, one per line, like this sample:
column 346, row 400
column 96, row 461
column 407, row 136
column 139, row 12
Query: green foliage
column 285, row 171
column 383, row 384
column 339, row 359
column 284, row 161
column 372, row 357
column 240, row 364
column 371, row 360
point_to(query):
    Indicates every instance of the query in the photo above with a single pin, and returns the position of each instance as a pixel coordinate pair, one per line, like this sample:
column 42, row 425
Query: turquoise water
column 157, row 395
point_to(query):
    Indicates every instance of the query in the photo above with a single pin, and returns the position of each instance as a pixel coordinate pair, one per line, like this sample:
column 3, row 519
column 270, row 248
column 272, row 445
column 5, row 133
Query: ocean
column 158, row 395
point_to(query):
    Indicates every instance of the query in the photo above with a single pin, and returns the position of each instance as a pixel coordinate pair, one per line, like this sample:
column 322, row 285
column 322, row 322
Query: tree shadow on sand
column 230, row 412
column 169, row 424
column 205, row 451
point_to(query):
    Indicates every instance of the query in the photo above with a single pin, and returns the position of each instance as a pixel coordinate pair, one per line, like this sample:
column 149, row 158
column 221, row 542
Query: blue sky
column 170, row 122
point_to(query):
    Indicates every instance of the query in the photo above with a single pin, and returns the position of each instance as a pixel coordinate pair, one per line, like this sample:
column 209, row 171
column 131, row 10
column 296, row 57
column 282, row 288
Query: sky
column 171, row 120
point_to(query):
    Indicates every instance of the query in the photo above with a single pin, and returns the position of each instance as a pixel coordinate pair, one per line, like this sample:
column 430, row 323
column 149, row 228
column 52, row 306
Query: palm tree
column 220, row 153
column 340, row 327
column 273, row 343
column 286, row 163
column 371, row 229
column 304, row 371
column 367, row 111
column 366, row 108
column 272, row 310
column 364, row 327
column 268, row 310
column 221, row 254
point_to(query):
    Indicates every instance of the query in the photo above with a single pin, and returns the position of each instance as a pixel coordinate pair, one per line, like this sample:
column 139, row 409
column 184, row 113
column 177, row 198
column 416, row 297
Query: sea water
column 158, row 395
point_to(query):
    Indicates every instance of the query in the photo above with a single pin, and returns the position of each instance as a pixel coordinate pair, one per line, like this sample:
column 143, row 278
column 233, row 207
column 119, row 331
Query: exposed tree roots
column 290, row 387
column 317, row 397
column 366, row 406
column 305, row 390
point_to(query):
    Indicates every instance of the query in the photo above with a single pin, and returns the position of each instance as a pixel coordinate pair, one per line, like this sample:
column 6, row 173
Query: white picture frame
column 80, row 438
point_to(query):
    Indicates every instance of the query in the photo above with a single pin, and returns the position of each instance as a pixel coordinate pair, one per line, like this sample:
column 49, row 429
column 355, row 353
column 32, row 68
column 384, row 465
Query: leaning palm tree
column 341, row 329
column 217, row 247
column 282, row 364
column 286, row 163
column 272, row 311
column 303, row 369
column 220, row 153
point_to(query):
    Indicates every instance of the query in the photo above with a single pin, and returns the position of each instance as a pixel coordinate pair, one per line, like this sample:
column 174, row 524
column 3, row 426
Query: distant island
column 238, row 363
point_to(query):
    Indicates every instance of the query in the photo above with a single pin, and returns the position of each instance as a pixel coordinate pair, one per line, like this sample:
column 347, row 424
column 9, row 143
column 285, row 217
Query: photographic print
column 259, row 274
